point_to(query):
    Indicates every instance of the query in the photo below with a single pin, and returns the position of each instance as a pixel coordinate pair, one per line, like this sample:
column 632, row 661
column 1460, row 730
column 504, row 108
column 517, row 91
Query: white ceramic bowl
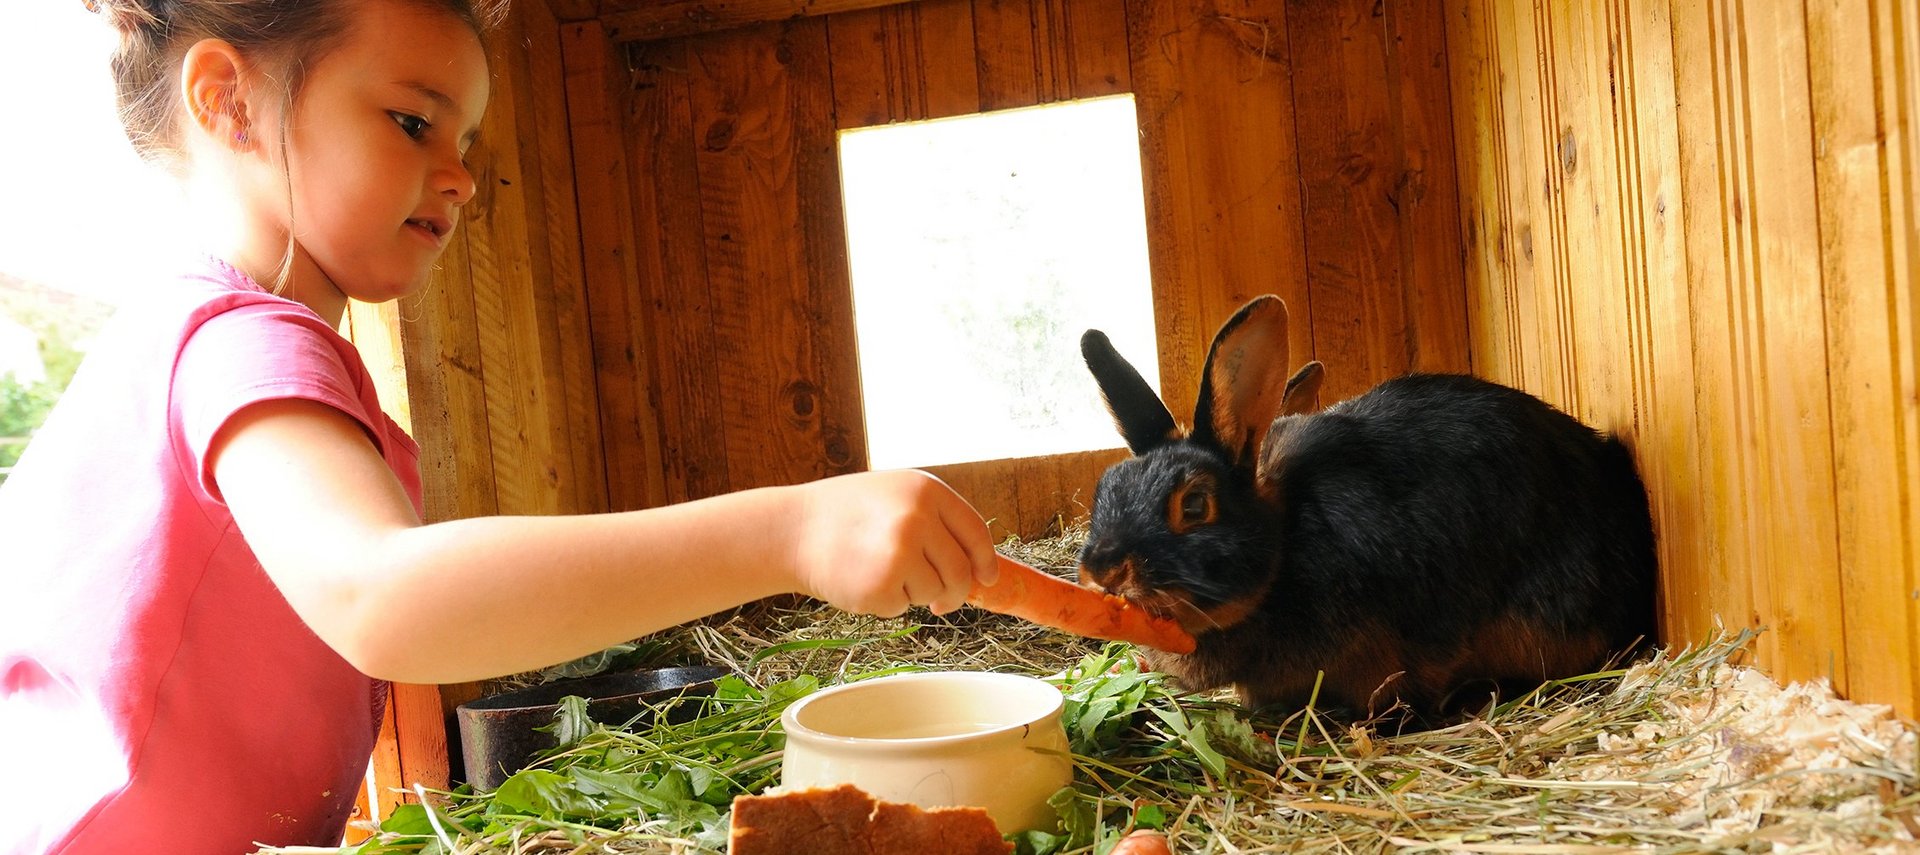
column 937, row 738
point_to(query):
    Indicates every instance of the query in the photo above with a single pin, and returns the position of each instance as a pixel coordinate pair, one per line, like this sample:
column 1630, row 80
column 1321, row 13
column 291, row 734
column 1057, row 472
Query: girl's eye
column 412, row 126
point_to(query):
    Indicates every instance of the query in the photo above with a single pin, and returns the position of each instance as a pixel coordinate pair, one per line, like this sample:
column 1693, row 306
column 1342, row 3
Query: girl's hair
column 284, row 35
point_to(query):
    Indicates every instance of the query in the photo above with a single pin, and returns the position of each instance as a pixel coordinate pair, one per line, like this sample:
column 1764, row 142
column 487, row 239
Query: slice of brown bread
column 844, row 820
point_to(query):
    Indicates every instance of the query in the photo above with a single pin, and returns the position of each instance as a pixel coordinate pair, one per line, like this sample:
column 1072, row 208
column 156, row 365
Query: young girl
column 214, row 555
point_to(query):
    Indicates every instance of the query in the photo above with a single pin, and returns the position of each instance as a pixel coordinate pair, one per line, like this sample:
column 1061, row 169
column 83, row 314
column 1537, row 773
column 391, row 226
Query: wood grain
column 903, row 63
column 1220, row 172
column 643, row 20
column 1714, row 210
column 1866, row 220
column 598, row 96
column 1377, row 176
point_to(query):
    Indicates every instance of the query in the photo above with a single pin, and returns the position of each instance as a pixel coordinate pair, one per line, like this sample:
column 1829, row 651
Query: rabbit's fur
column 1434, row 536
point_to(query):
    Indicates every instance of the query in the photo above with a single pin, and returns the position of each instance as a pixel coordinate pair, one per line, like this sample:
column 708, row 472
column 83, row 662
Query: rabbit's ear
column 1242, row 387
column 1143, row 419
column 1303, row 389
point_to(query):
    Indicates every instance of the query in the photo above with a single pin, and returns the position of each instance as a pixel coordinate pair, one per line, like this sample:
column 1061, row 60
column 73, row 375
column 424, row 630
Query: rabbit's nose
column 1109, row 580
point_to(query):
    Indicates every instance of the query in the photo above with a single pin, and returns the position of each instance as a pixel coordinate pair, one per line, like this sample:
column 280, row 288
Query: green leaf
column 1195, row 739
column 622, row 793
column 570, row 722
column 543, row 793
column 408, row 818
column 1150, row 816
column 1235, row 735
column 1038, row 843
column 786, row 691
column 673, row 787
column 733, row 687
column 1077, row 816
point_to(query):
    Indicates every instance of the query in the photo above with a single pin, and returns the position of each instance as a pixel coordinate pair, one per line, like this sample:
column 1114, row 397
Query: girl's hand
column 877, row 542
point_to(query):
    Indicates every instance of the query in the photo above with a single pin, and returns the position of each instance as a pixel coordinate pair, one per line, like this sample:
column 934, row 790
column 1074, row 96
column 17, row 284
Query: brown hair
column 285, row 34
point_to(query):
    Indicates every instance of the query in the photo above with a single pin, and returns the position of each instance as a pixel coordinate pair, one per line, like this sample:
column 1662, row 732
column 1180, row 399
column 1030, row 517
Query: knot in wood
column 720, row 134
column 801, row 398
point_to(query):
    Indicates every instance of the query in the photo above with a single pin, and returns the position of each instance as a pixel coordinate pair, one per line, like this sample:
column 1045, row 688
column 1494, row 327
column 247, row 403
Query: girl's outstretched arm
column 475, row 598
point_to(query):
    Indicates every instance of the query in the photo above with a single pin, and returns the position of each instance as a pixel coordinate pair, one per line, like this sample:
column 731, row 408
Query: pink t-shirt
column 157, row 693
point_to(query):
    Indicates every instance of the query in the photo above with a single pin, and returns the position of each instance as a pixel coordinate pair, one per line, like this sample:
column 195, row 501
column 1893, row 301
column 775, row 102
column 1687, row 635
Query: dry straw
column 1686, row 751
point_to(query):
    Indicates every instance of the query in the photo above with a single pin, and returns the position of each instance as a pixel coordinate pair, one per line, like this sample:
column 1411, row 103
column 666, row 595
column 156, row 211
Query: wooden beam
column 650, row 20
column 573, row 11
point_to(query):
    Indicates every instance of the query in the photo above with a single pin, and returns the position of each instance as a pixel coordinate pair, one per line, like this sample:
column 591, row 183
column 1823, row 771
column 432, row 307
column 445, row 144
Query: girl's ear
column 1243, row 386
column 212, row 85
column 1143, row 419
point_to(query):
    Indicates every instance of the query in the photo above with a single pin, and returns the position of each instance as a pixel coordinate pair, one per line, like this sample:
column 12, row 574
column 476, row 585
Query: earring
column 240, row 136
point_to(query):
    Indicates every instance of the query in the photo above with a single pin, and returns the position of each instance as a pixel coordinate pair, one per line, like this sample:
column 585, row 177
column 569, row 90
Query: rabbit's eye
column 1192, row 507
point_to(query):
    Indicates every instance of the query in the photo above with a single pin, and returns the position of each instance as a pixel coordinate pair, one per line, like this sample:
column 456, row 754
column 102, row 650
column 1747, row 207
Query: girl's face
column 375, row 147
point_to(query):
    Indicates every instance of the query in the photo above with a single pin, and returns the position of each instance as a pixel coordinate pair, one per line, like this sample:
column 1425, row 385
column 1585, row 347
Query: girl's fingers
column 953, row 569
column 969, row 530
column 921, row 583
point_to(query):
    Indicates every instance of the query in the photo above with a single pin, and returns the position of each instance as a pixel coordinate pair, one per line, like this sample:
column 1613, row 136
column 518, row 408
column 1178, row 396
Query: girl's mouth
column 434, row 228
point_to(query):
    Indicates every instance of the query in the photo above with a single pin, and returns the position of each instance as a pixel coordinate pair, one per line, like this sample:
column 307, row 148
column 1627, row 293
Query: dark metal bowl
column 498, row 734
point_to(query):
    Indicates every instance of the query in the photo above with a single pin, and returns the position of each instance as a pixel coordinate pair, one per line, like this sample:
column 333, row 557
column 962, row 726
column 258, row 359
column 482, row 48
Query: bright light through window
column 981, row 248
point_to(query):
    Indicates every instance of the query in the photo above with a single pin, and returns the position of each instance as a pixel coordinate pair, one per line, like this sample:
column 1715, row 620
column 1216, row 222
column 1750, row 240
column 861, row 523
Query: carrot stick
column 1049, row 600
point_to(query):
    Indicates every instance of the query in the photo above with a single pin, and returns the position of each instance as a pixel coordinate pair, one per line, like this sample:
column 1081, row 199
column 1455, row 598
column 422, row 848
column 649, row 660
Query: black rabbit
column 1437, row 534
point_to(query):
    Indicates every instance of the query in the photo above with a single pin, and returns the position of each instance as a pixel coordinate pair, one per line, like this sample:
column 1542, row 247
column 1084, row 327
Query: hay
column 1686, row 751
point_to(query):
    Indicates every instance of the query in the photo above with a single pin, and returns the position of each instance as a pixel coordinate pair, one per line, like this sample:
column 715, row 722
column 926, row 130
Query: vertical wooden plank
column 744, row 97
column 675, row 305
column 1220, row 173
column 583, row 483
column 1789, row 337
column 1427, row 194
column 514, row 307
column 1016, row 69
column 1042, row 51
column 1543, row 125
column 1091, row 47
column 1383, row 262
column 446, row 393
column 1703, row 85
column 1350, row 171
column 597, row 98
column 1661, row 346
column 1536, row 260
column 1856, row 195
column 1478, row 98
column 1897, row 53
column 1767, row 226
column 835, row 417
column 376, row 800
column 1585, row 172
column 374, row 329
column 903, row 63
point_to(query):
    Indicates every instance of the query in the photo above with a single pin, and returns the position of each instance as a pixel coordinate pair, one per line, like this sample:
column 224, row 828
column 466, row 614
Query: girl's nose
column 456, row 182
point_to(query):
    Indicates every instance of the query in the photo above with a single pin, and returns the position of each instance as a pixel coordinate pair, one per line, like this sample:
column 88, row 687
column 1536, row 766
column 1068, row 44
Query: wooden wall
column 716, row 255
column 1694, row 221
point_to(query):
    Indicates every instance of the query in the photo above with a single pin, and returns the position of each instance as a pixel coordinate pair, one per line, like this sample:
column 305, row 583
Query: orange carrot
column 1142, row 842
column 1049, row 600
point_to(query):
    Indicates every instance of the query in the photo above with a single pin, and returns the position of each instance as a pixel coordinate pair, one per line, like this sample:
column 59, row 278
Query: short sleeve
column 254, row 353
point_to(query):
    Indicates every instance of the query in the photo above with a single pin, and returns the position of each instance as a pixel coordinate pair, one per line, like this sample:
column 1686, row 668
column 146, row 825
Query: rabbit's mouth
column 1178, row 605
column 1173, row 604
